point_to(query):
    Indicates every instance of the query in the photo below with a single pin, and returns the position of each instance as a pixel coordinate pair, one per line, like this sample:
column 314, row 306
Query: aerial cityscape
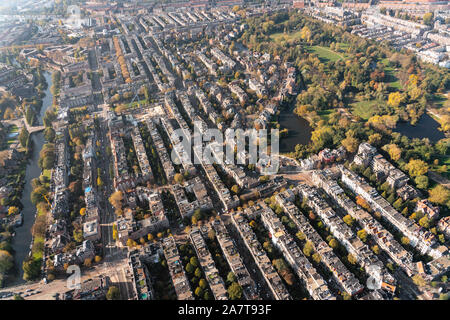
column 224, row 150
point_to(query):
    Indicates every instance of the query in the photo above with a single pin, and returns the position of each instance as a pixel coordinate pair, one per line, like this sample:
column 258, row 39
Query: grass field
column 278, row 37
column 439, row 100
column 325, row 114
column 389, row 72
column 363, row 109
column 443, row 166
column 46, row 173
column 38, row 243
column 324, row 53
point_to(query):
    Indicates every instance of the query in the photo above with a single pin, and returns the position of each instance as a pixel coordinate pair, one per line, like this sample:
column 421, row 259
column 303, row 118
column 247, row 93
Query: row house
column 238, row 91
column 364, row 256
column 263, row 262
column 419, row 237
column 141, row 279
column 212, row 66
column 206, row 261
column 340, row 273
column 223, row 58
column 163, row 155
column 141, row 153
column 383, row 237
column 315, row 284
column 368, row 155
column 186, row 208
column 129, row 228
column 197, row 187
column 176, row 270
column 235, row 261
column 122, row 178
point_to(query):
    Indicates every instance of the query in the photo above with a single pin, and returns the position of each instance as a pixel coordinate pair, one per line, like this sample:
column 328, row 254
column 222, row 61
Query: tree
column 113, row 293
column 97, row 259
column 440, row 195
column 198, row 291
column 428, row 18
column 376, row 249
column 395, row 99
column 417, row 168
column 333, row 243
column 189, row 268
column 231, row 277
column 130, row 243
column 23, row 136
column 18, row 297
column 198, row 214
column 300, row 235
column 421, row 182
column 32, row 269
column 346, row 296
column 348, row 220
column 305, row 33
column 405, row 240
column 116, row 201
column 419, row 281
column 367, row 172
column 13, row 210
column 211, row 234
column 398, row 204
column 362, row 234
column 351, row 258
column 235, row 189
column 308, row 249
column 87, row 262
column 49, row 134
column 316, row 257
column 444, row 296
column 394, row 151
column 350, row 144
column 424, row 222
column 202, row 283
column 6, row 261
column 198, row 273
column 362, row 203
column 375, row 139
column 82, row 211
column 194, row 261
column 179, row 178
column 235, row 291
column 99, row 182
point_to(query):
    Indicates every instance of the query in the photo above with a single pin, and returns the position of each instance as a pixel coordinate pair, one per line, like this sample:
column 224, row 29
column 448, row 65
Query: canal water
column 23, row 237
column 426, row 127
column 299, row 130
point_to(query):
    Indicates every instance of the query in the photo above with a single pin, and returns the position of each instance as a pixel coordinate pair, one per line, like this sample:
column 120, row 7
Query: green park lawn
column 324, row 53
column 278, row 37
column 325, row 114
column 363, row 109
column 390, row 74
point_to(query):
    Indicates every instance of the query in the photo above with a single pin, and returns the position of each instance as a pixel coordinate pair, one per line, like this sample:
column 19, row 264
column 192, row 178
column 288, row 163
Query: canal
column 22, row 240
column 299, row 130
column 426, row 127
